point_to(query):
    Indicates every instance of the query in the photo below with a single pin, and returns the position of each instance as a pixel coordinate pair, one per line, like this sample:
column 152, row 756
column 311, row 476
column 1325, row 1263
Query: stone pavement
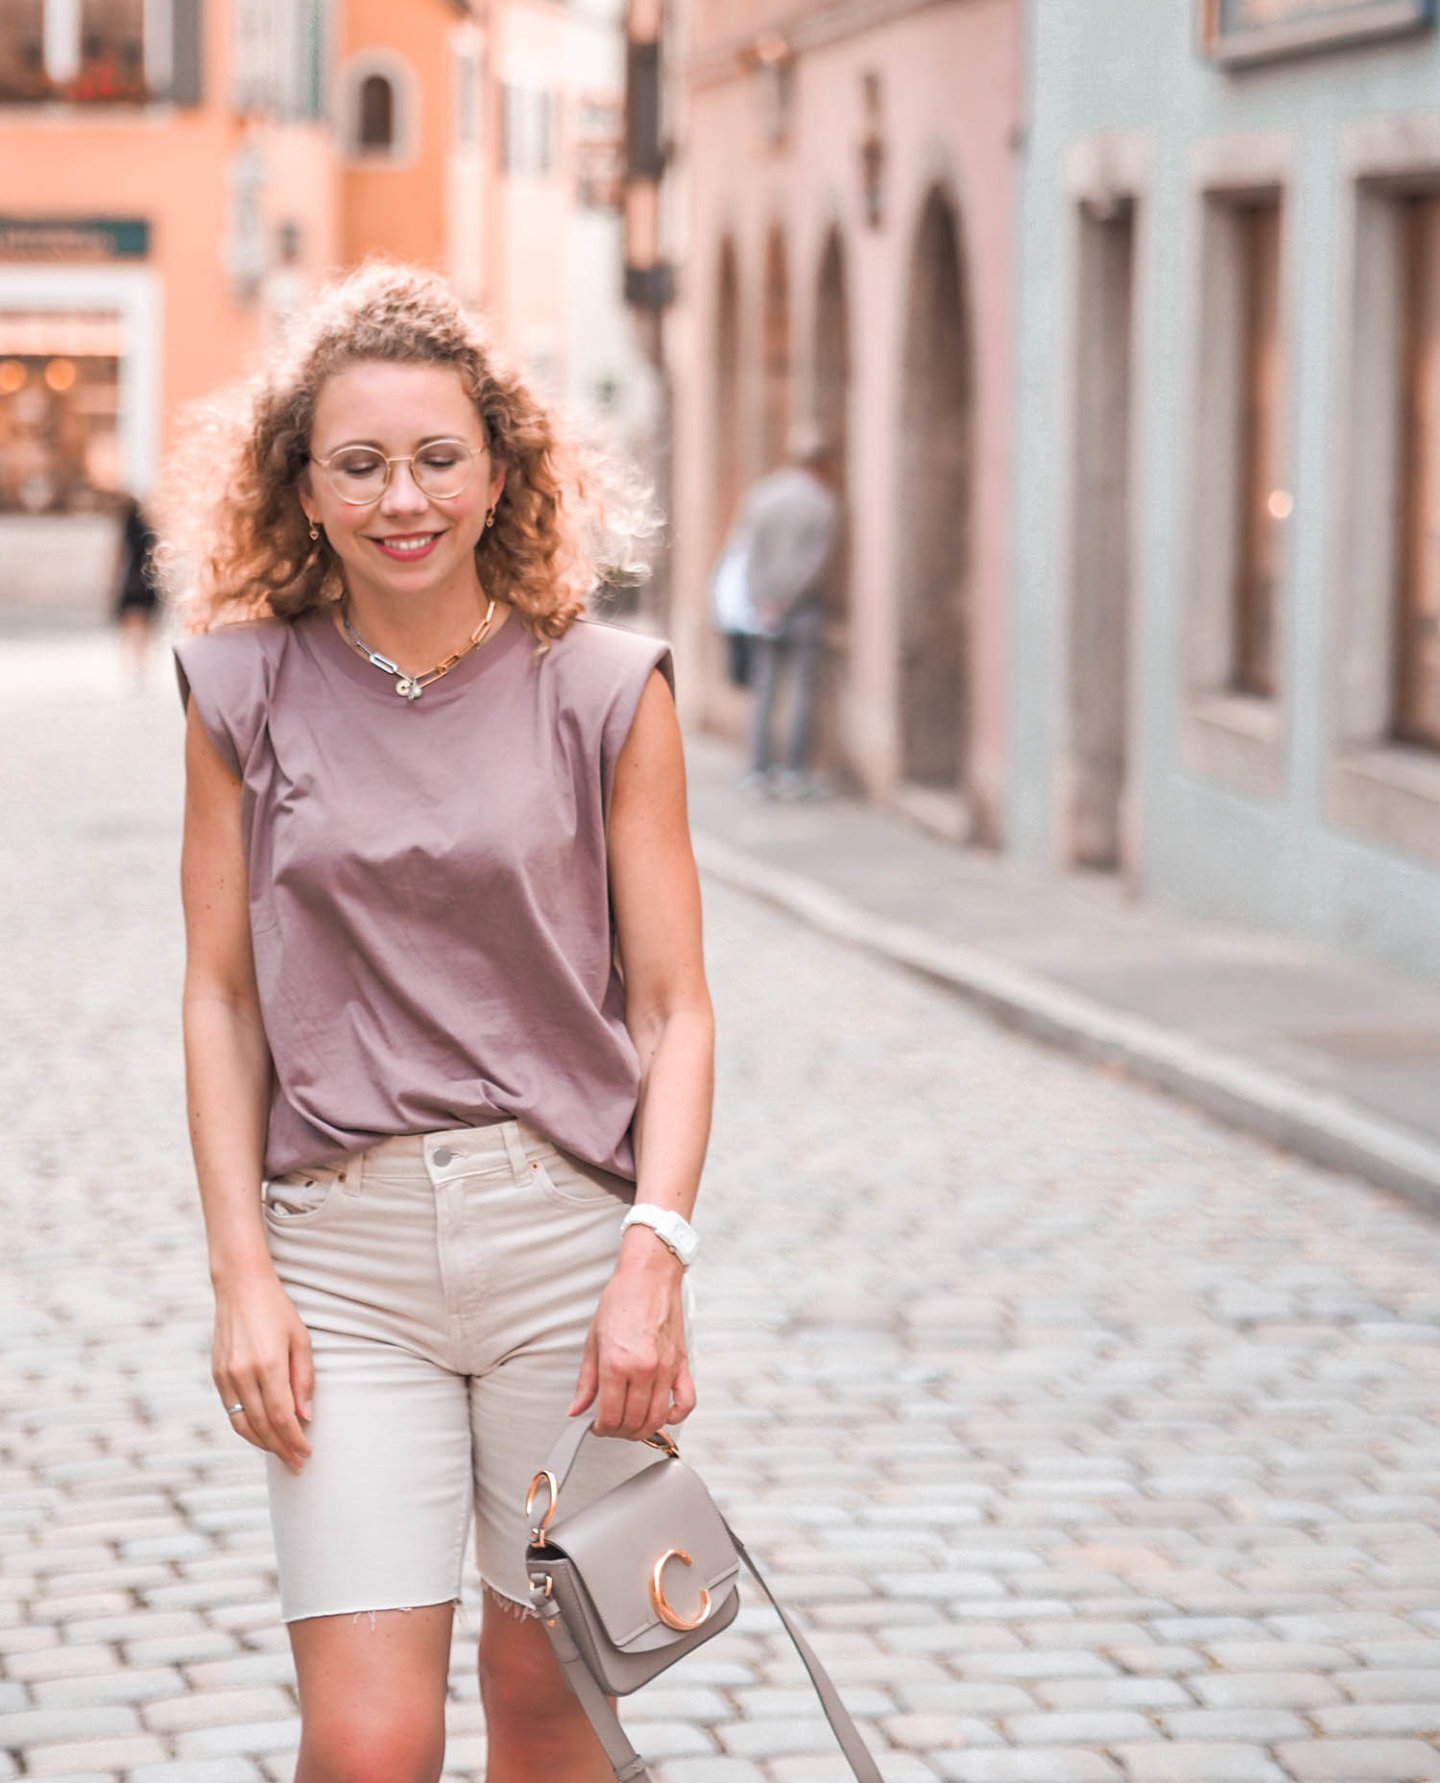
column 1327, row 1055
column 1093, row 1440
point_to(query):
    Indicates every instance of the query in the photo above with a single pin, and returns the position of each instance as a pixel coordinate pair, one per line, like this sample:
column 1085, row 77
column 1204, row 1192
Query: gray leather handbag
column 637, row 1579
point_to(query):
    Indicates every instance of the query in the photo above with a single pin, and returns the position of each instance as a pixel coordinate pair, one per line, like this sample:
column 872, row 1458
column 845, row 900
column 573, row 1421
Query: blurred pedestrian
column 137, row 593
column 448, row 1037
column 733, row 611
column 791, row 525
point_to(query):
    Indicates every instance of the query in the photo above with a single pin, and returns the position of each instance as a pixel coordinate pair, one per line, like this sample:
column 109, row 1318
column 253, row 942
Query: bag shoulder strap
column 625, row 1761
column 857, row 1755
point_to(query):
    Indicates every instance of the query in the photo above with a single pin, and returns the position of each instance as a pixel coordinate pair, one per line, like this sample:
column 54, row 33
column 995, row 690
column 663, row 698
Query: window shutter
column 186, row 54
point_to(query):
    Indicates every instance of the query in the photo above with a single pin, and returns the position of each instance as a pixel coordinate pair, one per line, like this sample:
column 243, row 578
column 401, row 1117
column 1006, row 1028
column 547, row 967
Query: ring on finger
column 234, row 1411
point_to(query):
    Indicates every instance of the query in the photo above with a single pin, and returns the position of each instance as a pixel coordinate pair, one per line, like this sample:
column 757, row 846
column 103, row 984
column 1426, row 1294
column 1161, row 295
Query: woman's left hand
column 635, row 1369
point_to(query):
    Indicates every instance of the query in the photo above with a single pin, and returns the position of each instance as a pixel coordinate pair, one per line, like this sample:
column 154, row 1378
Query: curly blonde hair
column 234, row 540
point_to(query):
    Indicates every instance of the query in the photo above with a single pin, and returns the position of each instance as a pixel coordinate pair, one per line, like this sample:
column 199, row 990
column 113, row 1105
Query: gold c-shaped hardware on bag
column 537, row 1530
column 668, row 1616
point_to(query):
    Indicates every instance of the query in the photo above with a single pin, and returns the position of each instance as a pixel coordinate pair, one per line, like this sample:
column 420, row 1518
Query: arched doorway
column 832, row 377
column 832, row 416
column 935, row 459
column 727, row 394
column 775, row 397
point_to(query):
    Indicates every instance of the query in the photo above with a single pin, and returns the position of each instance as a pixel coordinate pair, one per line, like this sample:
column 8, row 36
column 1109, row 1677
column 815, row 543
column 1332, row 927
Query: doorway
column 1099, row 645
column 727, row 396
column 936, row 466
column 775, row 342
column 832, row 417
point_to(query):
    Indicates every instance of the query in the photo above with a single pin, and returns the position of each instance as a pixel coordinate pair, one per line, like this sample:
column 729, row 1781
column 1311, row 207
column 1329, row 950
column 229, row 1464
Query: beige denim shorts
column 447, row 1281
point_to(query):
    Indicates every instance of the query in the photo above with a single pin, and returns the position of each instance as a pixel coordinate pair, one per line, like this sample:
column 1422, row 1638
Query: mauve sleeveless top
column 429, row 897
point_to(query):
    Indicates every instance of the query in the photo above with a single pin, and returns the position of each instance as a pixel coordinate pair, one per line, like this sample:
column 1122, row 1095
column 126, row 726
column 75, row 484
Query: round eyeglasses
column 361, row 474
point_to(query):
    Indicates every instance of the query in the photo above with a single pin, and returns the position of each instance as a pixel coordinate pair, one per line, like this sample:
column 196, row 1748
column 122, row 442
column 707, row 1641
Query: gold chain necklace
column 410, row 687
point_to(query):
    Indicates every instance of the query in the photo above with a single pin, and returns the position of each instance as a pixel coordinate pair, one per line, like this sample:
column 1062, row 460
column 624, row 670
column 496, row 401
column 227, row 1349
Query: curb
column 1320, row 1128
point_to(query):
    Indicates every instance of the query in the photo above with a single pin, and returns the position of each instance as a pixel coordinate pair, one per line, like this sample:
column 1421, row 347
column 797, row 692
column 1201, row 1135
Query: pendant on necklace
column 408, row 689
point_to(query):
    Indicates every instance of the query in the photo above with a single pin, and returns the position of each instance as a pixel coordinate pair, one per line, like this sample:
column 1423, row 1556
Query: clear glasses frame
column 417, row 466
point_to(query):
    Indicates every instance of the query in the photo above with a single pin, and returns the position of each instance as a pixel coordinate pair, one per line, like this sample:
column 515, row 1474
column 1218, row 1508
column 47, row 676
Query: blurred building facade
column 176, row 176
column 839, row 204
column 1225, row 684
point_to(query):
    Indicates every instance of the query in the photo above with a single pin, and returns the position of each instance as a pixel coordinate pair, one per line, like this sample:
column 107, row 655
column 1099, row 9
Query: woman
column 444, row 998
column 136, row 599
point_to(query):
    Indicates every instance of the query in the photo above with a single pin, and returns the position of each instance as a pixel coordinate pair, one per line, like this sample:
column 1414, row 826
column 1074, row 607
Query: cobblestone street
column 1095, row 1442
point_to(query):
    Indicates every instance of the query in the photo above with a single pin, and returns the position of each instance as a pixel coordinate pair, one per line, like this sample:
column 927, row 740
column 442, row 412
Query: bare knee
column 359, row 1744
column 372, row 1696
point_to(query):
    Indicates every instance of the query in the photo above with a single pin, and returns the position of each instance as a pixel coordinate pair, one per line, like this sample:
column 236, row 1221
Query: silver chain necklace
column 410, row 687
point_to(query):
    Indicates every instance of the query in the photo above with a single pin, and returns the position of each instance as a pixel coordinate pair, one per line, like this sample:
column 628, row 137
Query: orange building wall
column 401, row 209
column 170, row 166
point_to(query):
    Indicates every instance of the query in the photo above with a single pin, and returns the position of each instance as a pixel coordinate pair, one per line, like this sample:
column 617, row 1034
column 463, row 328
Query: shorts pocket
column 299, row 1199
column 567, row 1183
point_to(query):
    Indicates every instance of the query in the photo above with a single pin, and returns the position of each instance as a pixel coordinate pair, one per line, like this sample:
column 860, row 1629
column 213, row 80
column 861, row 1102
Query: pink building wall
column 951, row 81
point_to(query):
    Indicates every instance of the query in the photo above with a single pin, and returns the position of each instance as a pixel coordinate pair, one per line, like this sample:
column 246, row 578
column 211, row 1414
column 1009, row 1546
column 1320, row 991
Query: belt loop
column 354, row 1172
column 515, row 1148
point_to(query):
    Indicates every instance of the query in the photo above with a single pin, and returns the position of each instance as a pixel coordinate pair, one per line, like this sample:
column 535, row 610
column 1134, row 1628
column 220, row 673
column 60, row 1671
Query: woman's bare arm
column 636, row 1367
column 262, row 1352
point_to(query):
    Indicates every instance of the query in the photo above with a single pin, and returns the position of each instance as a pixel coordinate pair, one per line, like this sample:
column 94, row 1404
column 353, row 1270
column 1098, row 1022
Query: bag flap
column 615, row 1542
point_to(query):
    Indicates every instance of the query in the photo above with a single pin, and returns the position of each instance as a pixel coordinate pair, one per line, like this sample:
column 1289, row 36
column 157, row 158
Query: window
column 1233, row 723
column 1261, row 504
column 599, row 154
column 112, row 51
column 379, row 108
column 376, row 115
column 1417, row 619
column 99, row 52
column 22, row 51
column 528, row 129
column 467, row 100
column 1241, row 32
column 59, row 403
column 1383, row 620
column 277, row 57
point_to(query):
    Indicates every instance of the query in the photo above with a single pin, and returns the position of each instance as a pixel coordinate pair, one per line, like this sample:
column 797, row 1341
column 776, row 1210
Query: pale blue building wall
column 1132, row 66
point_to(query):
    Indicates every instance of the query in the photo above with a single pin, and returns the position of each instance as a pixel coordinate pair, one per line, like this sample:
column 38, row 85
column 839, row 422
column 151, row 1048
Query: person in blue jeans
column 791, row 525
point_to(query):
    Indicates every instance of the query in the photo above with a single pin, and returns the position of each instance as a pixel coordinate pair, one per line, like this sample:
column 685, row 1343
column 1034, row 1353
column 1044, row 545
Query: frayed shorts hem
column 371, row 1609
column 522, row 1607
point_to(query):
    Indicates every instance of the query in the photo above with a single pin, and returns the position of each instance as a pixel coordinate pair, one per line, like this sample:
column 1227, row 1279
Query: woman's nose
column 403, row 495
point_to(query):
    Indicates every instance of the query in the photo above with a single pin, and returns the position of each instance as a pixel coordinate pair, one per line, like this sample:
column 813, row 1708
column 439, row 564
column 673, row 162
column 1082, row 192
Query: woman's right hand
column 261, row 1359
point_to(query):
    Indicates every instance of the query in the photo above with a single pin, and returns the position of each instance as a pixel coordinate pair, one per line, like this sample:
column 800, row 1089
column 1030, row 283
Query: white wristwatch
column 671, row 1228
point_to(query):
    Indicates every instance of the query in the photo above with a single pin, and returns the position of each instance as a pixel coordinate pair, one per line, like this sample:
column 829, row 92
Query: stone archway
column 832, row 381
column 728, row 450
column 831, row 411
column 775, row 344
column 934, row 518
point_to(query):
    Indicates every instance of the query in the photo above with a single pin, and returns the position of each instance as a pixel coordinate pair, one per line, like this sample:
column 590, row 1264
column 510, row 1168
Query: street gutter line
column 1321, row 1128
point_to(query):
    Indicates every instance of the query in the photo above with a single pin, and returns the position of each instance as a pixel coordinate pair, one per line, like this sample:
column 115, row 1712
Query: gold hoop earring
column 490, row 519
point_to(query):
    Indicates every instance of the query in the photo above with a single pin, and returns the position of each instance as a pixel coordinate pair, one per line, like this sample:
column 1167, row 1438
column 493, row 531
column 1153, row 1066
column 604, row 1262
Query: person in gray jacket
column 791, row 525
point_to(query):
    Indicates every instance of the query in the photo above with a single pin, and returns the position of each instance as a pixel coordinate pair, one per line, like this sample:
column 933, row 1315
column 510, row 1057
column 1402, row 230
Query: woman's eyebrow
column 430, row 439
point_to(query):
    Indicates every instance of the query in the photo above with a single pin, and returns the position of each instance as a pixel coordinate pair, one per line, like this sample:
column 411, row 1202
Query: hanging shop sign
column 1240, row 31
column 74, row 238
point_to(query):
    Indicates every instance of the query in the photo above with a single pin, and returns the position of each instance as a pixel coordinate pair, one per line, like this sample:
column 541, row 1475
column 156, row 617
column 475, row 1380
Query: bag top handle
column 553, row 1475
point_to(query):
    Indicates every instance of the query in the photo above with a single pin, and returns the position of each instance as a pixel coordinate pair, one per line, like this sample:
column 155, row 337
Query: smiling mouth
column 408, row 544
